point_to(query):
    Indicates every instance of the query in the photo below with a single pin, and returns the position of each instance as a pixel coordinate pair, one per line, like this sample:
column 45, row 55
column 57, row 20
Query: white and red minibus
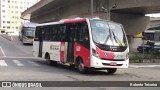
column 84, row 43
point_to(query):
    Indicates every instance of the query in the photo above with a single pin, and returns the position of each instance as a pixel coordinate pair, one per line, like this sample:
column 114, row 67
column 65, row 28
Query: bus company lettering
column 54, row 47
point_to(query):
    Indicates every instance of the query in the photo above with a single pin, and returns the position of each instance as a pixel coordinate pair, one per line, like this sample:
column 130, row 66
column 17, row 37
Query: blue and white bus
column 27, row 32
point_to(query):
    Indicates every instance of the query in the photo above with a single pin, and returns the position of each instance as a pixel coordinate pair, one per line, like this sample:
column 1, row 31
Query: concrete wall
column 135, row 43
column 61, row 11
column 155, row 23
column 133, row 24
column 135, row 3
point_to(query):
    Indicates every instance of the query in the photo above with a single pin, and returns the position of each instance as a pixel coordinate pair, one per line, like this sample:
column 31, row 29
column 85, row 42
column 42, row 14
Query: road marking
column 2, row 51
column 3, row 63
column 138, row 66
column 18, row 63
column 33, row 63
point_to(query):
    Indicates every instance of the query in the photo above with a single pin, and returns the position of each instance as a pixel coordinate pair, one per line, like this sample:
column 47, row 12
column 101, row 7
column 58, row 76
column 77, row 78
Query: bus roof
column 50, row 23
column 75, row 20
column 30, row 24
column 65, row 21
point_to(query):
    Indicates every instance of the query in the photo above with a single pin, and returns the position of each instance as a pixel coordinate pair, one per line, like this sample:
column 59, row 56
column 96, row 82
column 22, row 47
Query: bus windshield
column 29, row 31
column 108, row 33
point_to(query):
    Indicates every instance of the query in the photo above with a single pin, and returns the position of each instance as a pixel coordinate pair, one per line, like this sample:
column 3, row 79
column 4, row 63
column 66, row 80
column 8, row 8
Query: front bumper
column 100, row 63
column 29, row 41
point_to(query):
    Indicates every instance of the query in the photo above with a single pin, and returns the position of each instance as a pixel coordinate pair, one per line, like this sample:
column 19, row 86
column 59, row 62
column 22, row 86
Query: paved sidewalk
column 140, row 65
column 9, row 37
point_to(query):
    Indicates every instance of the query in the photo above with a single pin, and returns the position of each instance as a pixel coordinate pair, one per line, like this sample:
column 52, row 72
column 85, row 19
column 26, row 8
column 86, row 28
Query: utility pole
column 108, row 10
column 91, row 8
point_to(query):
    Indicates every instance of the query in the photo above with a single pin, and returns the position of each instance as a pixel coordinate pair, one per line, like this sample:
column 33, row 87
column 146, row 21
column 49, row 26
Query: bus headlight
column 95, row 53
column 127, row 56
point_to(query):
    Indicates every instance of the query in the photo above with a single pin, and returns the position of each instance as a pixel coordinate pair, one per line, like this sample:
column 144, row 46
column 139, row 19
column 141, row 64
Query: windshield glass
column 108, row 33
column 29, row 31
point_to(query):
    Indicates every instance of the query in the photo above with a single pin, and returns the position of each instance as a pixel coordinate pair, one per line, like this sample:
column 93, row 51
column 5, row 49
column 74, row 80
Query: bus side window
column 53, row 33
column 84, row 33
column 69, row 32
column 41, row 34
column 62, row 32
column 45, row 34
column 37, row 34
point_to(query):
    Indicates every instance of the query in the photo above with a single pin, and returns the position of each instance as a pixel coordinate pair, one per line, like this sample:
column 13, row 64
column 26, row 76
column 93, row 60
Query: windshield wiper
column 107, row 39
column 116, row 39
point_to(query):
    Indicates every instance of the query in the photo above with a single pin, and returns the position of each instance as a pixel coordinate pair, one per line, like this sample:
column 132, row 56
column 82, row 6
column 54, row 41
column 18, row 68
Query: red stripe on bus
column 104, row 54
column 75, row 20
column 62, row 50
column 83, row 52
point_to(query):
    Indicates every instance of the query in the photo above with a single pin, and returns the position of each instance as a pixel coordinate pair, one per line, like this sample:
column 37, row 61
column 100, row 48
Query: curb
column 7, row 37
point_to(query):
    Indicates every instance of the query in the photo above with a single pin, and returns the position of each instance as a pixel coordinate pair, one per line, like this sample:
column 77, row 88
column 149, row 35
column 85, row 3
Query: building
column 10, row 13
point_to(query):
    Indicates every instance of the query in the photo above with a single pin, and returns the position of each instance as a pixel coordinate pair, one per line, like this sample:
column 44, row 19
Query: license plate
column 113, row 63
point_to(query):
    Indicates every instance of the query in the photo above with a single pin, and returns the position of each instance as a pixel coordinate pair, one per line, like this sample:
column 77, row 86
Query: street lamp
column 107, row 10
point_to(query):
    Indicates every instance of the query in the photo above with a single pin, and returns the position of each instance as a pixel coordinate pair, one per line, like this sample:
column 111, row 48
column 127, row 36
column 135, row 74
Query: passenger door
column 71, row 33
column 41, row 32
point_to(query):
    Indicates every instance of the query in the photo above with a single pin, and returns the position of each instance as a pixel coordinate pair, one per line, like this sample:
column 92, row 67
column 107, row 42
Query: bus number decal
column 78, row 48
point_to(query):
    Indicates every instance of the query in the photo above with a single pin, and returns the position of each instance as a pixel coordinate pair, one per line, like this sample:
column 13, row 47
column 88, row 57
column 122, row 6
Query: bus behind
column 27, row 32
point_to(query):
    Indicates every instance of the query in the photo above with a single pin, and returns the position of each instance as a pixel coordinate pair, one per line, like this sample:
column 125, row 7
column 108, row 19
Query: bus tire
column 48, row 61
column 111, row 70
column 81, row 68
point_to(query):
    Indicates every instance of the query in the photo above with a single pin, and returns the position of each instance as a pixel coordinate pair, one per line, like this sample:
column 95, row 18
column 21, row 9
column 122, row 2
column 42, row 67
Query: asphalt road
column 17, row 64
column 14, row 48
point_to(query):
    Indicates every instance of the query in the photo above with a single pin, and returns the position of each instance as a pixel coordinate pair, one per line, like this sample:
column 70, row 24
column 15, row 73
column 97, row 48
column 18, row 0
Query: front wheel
column 81, row 68
column 111, row 70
